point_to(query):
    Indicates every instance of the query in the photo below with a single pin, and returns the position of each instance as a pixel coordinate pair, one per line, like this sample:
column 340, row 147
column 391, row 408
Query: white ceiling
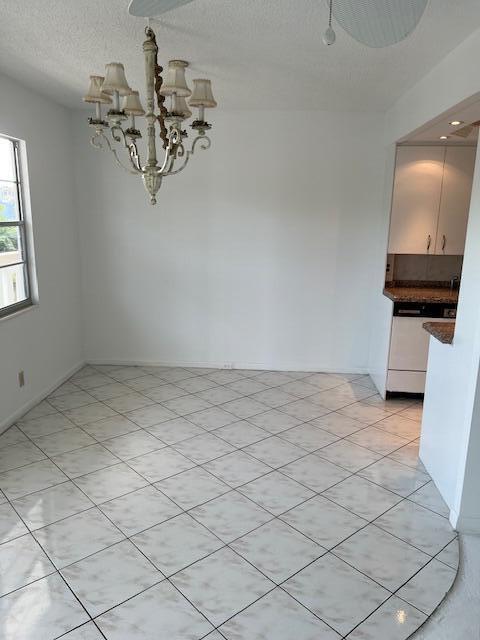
column 260, row 54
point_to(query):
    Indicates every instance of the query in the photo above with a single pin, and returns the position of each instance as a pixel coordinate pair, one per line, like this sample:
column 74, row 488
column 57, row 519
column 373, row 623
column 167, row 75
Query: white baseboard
column 267, row 366
column 465, row 524
column 260, row 366
column 7, row 422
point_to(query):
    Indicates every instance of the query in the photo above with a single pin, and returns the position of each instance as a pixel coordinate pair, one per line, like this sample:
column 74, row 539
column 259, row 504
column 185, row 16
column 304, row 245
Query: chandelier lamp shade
column 168, row 104
column 132, row 105
column 95, row 93
column 202, row 95
column 115, row 80
column 182, row 109
column 175, row 82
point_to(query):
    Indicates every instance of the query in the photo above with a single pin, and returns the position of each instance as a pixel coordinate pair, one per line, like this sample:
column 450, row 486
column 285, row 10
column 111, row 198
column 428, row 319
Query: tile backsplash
column 423, row 267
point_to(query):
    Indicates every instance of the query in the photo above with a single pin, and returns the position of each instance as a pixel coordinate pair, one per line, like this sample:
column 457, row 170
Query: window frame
column 21, row 225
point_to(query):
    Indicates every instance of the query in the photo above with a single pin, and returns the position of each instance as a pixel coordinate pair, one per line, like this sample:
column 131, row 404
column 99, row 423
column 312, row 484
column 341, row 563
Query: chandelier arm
column 206, row 142
column 167, row 170
column 174, row 139
column 100, row 141
column 186, row 159
column 180, row 151
column 166, row 161
column 118, row 134
column 135, row 156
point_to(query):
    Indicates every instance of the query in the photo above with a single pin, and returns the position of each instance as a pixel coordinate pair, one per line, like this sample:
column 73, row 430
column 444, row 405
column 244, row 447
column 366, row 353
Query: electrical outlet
column 21, row 378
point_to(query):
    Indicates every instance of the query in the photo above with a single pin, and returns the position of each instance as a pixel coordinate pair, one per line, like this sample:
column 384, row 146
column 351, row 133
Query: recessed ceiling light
column 455, row 123
column 443, row 137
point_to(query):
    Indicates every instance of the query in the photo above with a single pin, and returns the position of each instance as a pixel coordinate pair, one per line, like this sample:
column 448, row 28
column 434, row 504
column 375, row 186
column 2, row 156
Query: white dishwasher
column 407, row 362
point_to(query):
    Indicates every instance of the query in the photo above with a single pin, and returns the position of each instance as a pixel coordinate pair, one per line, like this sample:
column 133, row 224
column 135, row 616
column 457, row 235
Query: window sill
column 19, row 312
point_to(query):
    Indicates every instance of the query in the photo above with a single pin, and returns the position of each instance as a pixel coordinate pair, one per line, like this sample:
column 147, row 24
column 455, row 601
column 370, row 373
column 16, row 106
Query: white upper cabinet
column 431, row 198
column 455, row 200
column 416, row 199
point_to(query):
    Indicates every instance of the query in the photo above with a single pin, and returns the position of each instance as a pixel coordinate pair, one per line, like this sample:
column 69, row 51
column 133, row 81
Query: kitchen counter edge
column 421, row 294
column 443, row 331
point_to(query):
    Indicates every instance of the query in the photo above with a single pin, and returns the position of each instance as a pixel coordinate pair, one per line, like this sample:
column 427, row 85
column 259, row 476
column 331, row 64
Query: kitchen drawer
column 406, row 381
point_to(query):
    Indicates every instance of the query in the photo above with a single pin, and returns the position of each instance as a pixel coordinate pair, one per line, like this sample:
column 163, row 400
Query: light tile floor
column 155, row 503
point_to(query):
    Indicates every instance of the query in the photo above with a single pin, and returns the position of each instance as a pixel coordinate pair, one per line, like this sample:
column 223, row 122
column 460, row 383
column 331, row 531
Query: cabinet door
column 455, row 200
column 416, row 199
column 409, row 343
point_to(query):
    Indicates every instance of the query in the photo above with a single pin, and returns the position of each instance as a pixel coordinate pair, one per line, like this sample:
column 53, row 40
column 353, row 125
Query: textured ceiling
column 260, row 54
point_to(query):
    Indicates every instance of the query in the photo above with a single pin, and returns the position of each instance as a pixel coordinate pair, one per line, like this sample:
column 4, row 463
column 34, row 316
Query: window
column 14, row 268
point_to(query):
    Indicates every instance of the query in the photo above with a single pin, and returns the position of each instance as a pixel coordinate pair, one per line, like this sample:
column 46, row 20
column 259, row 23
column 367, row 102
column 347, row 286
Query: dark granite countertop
column 442, row 331
column 421, row 294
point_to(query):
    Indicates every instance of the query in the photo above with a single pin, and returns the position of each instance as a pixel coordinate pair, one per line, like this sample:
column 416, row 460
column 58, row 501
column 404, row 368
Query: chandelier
column 111, row 134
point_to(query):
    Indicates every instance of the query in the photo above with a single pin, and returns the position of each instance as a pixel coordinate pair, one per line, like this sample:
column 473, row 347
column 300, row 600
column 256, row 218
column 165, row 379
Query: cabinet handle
column 429, row 242
column 444, row 242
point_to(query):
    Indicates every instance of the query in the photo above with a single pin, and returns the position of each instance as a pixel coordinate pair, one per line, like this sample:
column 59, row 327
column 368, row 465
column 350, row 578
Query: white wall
column 44, row 341
column 259, row 254
column 467, row 504
column 450, row 445
column 451, row 421
column 451, row 424
column 381, row 307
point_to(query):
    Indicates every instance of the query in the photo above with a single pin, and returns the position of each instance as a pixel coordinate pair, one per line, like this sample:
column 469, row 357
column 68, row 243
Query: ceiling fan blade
column 378, row 23
column 153, row 8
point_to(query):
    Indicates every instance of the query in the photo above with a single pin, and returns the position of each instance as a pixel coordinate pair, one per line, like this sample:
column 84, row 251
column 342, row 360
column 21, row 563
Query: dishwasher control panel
column 425, row 310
